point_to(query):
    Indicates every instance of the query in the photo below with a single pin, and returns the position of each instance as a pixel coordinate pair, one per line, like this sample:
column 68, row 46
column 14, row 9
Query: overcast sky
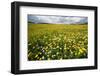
column 57, row 19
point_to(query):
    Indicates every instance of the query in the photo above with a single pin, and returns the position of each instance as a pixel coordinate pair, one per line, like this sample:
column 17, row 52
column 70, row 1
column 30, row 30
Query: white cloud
column 56, row 19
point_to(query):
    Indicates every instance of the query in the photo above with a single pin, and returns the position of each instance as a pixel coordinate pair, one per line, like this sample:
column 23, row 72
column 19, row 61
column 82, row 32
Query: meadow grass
column 57, row 41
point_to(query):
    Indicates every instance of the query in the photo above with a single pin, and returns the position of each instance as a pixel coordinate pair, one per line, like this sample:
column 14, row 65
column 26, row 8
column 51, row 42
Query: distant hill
column 58, row 23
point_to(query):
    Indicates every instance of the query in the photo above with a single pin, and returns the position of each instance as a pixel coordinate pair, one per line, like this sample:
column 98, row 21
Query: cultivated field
column 57, row 41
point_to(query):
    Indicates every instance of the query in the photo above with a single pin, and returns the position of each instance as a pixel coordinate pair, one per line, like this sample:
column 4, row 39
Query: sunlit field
column 57, row 41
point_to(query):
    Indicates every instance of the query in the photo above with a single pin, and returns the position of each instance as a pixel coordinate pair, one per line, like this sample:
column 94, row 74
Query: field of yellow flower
column 57, row 41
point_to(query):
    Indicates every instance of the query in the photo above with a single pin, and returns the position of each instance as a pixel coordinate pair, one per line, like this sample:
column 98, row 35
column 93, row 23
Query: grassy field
column 57, row 41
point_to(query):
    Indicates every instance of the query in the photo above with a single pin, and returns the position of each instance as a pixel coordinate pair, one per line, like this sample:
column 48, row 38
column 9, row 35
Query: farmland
column 57, row 41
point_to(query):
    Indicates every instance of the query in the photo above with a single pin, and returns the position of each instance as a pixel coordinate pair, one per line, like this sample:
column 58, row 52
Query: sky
column 57, row 19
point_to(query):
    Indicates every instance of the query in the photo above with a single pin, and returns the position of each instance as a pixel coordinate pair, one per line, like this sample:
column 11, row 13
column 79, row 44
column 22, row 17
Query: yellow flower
column 64, row 37
column 79, row 53
column 40, row 58
column 48, row 58
column 75, row 53
column 81, row 50
column 57, row 46
column 36, row 56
